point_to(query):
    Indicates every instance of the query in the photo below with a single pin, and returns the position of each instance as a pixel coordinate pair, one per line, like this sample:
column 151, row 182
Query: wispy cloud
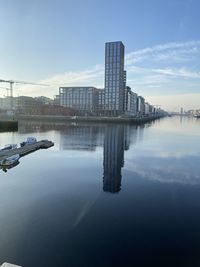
column 76, row 78
column 164, row 52
column 182, row 72
column 89, row 77
column 161, row 69
column 177, row 72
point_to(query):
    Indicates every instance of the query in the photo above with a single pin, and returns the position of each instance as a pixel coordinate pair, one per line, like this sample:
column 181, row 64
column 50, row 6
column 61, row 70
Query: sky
column 62, row 42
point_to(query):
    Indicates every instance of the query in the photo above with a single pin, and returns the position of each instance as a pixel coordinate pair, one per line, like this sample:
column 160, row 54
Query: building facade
column 140, row 105
column 26, row 104
column 101, row 102
column 114, row 79
column 84, row 100
column 130, row 102
column 116, row 99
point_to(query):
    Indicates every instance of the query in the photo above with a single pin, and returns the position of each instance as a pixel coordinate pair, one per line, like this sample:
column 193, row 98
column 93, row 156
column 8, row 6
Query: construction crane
column 11, row 82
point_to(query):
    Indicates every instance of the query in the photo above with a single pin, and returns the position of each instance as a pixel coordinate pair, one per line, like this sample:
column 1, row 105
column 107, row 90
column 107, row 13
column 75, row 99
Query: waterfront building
column 53, row 110
column 101, row 100
column 5, row 102
column 116, row 99
column 130, row 102
column 84, row 100
column 147, row 108
column 44, row 100
column 151, row 109
column 140, row 105
column 114, row 79
column 56, row 100
column 26, row 104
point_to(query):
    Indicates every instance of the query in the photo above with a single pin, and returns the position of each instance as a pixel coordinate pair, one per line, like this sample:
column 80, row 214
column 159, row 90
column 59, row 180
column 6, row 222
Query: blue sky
column 62, row 43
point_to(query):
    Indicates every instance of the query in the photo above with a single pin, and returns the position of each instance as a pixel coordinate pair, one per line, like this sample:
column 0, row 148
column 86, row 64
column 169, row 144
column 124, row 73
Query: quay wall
column 8, row 125
column 131, row 120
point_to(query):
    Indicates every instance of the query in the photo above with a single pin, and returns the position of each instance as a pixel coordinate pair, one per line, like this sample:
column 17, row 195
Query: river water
column 105, row 195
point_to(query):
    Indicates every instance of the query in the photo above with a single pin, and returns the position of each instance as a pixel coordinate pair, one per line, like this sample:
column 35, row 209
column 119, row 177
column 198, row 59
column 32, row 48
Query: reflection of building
column 113, row 158
column 115, row 139
column 81, row 137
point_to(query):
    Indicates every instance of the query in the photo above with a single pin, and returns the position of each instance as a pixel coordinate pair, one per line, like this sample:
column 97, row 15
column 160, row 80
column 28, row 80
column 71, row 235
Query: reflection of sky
column 169, row 152
column 169, row 138
column 53, row 208
column 185, row 170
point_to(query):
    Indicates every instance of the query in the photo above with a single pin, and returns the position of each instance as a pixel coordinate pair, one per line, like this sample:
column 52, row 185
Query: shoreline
column 49, row 118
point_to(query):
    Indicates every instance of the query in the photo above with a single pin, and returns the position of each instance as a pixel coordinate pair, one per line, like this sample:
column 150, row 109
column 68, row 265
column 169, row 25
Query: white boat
column 10, row 160
column 197, row 116
column 9, row 147
column 29, row 141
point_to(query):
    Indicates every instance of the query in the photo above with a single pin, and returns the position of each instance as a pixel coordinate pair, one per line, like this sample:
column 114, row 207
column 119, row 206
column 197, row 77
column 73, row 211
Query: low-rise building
column 147, row 108
column 140, row 105
column 26, row 104
column 130, row 102
column 5, row 103
column 53, row 110
column 84, row 100
column 101, row 102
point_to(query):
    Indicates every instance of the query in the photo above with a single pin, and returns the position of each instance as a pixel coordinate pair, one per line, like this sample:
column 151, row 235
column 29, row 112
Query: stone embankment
column 8, row 124
column 132, row 120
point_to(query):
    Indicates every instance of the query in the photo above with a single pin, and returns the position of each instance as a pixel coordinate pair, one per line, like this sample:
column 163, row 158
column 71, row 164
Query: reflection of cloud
column 173, row 170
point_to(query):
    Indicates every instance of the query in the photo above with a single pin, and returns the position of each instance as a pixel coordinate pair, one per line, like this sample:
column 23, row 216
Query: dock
column 9, row 265
column 27, row 149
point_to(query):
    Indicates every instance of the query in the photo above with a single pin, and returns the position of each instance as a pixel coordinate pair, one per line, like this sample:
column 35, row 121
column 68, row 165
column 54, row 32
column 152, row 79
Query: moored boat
column 9, row 147
column 29, row 141
column 10, row 160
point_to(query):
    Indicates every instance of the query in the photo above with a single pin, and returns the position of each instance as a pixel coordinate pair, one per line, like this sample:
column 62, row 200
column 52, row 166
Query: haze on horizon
column 62, row 43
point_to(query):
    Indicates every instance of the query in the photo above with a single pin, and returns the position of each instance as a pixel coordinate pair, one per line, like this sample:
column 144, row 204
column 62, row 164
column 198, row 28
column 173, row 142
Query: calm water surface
column 104, row 195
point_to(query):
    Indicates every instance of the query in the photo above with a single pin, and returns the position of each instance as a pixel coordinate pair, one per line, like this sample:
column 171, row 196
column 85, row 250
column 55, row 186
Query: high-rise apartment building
column 115, row 99
column 114, row 79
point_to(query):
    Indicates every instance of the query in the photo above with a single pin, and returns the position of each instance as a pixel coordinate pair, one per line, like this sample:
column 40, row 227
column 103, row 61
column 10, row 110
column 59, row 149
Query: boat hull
column 9, row 161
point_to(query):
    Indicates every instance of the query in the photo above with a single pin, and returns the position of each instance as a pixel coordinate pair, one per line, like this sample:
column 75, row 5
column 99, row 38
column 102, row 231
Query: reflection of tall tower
column 113, row 158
